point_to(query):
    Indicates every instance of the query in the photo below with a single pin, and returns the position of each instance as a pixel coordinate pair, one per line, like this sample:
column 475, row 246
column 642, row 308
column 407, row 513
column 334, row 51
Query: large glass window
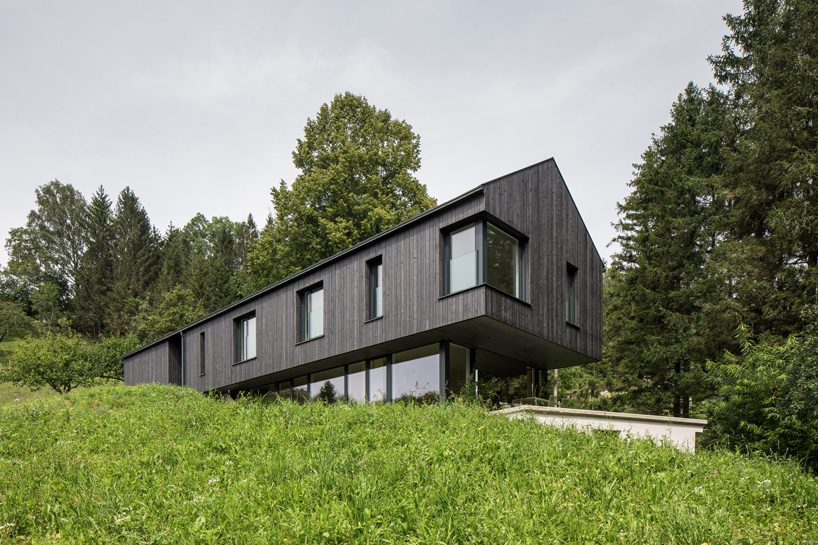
column 502, row 260
column 416, row 374
column 462, row 259
column 459, row 368
column 328, row 385
column 483, row 253
column 312, row 312
column 245, row 337
column 285, row 389
column 300, row 390
column 356, row 382
column 571, row 294
column 375, row 280
column 377, row 380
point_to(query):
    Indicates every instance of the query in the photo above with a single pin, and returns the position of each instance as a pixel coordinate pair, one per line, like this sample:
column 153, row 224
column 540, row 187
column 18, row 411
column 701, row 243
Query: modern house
column 502, row 281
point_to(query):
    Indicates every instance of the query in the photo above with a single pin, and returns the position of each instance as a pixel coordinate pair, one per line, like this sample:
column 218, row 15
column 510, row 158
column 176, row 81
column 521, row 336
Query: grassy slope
column 156, row 464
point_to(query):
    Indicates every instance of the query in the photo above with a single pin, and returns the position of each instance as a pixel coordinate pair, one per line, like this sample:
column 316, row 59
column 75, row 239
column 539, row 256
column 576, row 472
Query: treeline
column 711, row 298
column 97, row 269
column 102, row 268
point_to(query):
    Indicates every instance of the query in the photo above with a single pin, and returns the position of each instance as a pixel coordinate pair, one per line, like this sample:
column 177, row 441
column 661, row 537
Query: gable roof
column 352, row 249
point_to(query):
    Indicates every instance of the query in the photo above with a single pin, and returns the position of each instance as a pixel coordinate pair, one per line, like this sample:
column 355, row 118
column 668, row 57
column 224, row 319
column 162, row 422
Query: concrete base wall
column 677, row 432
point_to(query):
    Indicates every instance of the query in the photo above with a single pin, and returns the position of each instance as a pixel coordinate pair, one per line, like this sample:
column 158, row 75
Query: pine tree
column 769, row 65
column 137, row 260
column 95, row 280
column 659, row 327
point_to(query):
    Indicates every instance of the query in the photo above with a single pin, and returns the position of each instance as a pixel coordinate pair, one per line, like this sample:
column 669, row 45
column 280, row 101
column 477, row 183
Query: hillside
column 158, row 464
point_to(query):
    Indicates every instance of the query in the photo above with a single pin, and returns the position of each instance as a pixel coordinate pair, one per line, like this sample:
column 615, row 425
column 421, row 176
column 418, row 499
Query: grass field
column 154, row 464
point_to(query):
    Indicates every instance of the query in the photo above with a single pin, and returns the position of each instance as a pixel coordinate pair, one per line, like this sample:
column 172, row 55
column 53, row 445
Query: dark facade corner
column 502, row 281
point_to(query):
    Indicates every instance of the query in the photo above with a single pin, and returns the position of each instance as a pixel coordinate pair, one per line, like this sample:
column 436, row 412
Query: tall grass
column 154, row 464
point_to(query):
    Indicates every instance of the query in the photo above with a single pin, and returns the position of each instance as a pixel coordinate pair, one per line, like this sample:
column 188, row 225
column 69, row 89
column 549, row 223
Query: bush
column 65, row 360
column 766, row 397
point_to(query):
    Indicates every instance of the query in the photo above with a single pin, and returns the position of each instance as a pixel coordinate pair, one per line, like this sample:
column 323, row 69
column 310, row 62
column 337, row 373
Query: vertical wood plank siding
column 150, row 365
column 535, row 201
column 411, row 304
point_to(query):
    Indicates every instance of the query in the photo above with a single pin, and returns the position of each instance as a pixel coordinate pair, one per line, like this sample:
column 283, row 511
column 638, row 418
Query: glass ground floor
column 428, row 373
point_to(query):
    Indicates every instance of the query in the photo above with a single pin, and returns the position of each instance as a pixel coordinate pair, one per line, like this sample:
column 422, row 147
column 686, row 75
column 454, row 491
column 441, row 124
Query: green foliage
column 137, row 260
column 95, row 278
column 356, row 180
column 13, row 320
column 173, row 310
column 54, row 359
column 766, row 397
column 109, row 465
column 48, row 249
column 65, row 360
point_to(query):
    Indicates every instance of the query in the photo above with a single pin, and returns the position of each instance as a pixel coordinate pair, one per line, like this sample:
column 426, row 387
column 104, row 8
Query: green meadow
column 159, row 464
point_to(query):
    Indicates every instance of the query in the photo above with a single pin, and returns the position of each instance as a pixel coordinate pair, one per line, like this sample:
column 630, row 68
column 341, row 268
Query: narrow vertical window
column 375, row 280
column 461, row 259
column 311, row 303
column 571, row 294
column 245, row 337
column 202, row 353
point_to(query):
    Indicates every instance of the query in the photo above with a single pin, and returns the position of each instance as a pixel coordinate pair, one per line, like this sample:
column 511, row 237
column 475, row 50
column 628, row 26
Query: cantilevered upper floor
column 506, row 270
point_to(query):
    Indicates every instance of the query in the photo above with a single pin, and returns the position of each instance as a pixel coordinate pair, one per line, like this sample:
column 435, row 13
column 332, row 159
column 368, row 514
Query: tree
column 327, row 393
column 13, row 320
column 54, row 359
column 137, row 260
column 174, row 309
column 357, row 179
column 660, row 324
column 769, row 65
column 95, row 277
column 50, row 246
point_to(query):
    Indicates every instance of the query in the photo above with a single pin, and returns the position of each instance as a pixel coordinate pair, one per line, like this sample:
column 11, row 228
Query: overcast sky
column 197, row 105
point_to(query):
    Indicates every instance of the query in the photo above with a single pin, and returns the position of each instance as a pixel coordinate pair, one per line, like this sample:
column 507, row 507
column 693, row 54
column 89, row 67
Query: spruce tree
column 95, row 280
column 137, row 260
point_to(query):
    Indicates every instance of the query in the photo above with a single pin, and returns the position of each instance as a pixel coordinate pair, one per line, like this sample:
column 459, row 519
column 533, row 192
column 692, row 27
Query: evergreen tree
column 659, row 327
column 769, row 65
column 95, row 280
column 175, row 260
column 137, row 260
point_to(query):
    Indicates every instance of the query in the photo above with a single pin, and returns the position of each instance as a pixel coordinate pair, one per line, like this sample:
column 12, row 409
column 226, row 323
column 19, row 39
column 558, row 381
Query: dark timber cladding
column 533, row 203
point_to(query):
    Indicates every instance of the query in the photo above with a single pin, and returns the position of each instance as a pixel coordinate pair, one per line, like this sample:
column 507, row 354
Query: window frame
column 202, row 354
column 481, row 224
column 303, row 313
column 372, row 283
column 240, row 352
column 571, row 294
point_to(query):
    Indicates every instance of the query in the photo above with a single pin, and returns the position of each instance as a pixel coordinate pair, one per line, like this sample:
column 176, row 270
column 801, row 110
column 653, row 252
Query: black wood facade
column 533, row 204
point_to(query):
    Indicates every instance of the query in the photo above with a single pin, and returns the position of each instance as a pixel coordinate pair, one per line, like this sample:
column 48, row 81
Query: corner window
column 201, row 353
column 311, row 310
column 483, row 252
column 245, row 337
column 461, row 259
column 374, row 270
column 502, row 260
column 571, row 294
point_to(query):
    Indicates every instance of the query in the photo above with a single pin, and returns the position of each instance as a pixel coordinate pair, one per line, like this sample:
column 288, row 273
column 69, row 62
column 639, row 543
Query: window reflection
column 416, row 374
column 356, row 382
column 377, row 380
column 502, row 261
column 328, row 386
